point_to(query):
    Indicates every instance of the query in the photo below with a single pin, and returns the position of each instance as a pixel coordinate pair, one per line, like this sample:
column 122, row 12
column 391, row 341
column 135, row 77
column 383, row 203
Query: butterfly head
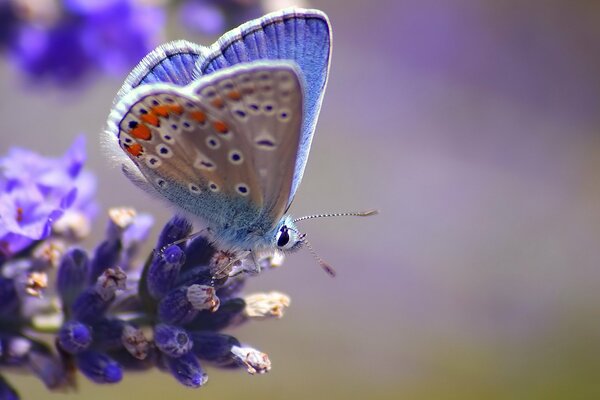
column 287, row 237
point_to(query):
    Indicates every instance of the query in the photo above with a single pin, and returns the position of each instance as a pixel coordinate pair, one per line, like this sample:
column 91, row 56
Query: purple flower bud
column 47, row 367
column 99, row 367
column 89, row 306
column 198, row 252
column 220, row 319
column 6, row 391
column 201, row 275
column 107, row 334
column 231, row 288
column 187, row 370
column 176, row 229
column 74, row 337
column 172, row 340
column 106, row 256
column 9, row 301
column 72, row 275
column 164, row 270
column 175, row 308
column 212, row 346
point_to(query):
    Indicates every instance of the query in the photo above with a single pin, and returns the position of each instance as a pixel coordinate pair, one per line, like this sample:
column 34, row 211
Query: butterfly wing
column 171, row 62
column 303, row 36
column 224, row 147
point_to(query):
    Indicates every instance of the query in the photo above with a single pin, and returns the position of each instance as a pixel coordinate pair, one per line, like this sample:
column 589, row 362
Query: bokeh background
column 474, row 127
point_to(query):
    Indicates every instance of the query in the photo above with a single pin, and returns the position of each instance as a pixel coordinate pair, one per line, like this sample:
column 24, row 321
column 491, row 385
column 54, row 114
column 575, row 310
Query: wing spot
column 135, row 149
column 284, row 116
column 176, row 109
column 164, row 151
column 218, row 103
column 153, row 162
column 168, row 139
column 161, row 183
column 242, row 189
column 254, row 109
column 150, row 119
column 220, row 127
column 194, row 188
column 141, row 132
column 265, row 144
column 198, row 116
column 213, row 187
column 269, row 109
column 241, row 114
column 234, row 95
column 204, row 163
column 236, row 157
column 161, row 111
column 212, row 142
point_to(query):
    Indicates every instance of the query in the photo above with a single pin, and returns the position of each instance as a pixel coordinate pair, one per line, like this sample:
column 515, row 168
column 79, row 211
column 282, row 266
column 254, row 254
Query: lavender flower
column 213, row 16
column 175, row 294
column 87, row 36
column 35, row 192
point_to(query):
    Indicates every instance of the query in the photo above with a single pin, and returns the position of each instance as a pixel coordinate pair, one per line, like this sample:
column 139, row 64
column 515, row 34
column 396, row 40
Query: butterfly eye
column 283, row 236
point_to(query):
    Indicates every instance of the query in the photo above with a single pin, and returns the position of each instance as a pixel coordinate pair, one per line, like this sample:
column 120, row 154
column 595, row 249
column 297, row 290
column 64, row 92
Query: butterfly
column 223, row 132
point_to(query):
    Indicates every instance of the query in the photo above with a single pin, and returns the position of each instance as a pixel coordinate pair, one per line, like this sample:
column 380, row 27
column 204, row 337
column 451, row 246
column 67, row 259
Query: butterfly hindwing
column 171, row 62
column 303, row 36
column 226, row 143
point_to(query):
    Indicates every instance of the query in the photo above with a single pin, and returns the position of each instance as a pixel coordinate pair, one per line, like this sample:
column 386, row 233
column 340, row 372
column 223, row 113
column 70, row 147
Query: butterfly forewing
column 234, row 133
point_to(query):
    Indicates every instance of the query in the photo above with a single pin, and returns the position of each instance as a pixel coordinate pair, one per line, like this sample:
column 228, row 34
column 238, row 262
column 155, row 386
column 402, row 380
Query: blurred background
column 473, row 126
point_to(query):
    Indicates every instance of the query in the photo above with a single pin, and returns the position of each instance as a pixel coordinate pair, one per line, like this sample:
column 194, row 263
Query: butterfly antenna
column 326, row 267
column 342, row 214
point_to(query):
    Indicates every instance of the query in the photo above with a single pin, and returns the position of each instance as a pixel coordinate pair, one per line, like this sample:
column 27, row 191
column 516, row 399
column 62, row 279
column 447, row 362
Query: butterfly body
column 229, row 145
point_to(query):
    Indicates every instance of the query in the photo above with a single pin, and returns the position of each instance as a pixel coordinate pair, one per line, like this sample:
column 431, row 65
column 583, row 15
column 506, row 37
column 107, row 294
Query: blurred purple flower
column 8, row 23
column 36, row 191
column 93, row 36
column 211, row 17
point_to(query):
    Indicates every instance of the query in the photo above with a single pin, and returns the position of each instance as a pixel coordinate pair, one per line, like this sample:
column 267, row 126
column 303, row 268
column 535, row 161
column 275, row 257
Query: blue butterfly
column 223, row 132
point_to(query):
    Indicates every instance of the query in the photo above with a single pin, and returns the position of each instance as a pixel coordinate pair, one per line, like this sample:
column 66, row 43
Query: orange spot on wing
column 218, row 102
column 161, row 111
column 234, row 95
column 198, row 116
column 141, row 132
column 150, row 118
column 135, row 149
column 176, row 108
column 220, row 127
